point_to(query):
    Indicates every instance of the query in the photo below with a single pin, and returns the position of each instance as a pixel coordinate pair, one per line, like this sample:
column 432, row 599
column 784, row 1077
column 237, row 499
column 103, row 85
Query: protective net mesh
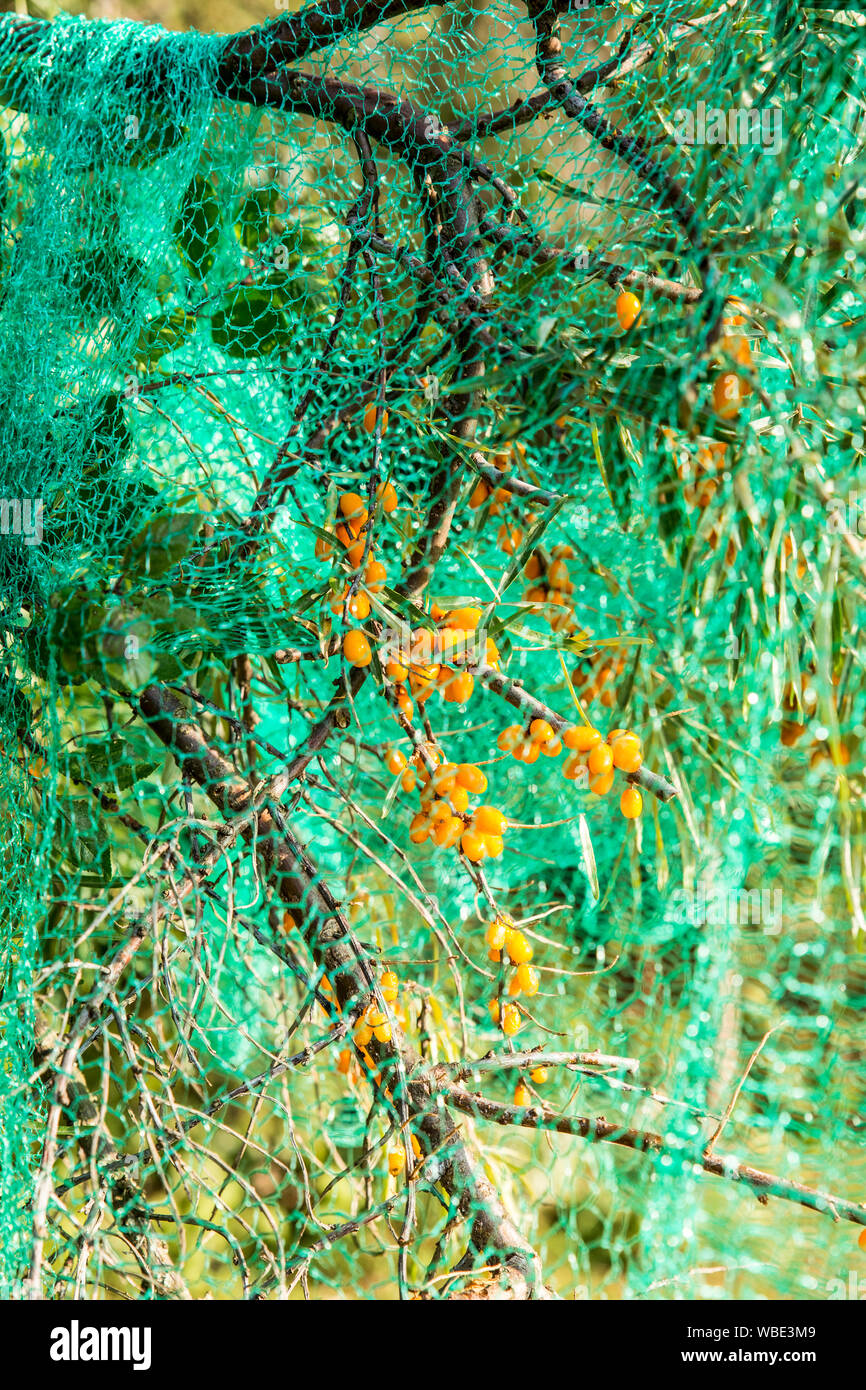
column 392, row 397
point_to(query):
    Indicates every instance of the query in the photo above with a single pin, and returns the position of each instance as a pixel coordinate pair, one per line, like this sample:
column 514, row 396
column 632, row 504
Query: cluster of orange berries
column 373, row 1023
column 424, row 673
column 597, row 679
column 551, row 586
column 701, row 483
column 349, row 532
column 700, row 480
column 590, row 758
column 503, row 937
column 797, row 708
column 509, row 537
column 445, row 817
column 730, row 389
column 505, row 940
column 484, row 491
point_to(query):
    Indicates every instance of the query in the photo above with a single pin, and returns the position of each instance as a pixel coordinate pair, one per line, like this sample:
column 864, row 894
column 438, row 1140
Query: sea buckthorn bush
column 431, row 598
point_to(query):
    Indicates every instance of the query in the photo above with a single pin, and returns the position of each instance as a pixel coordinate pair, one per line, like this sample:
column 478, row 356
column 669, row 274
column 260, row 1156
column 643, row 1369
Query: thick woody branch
column 330, row 941
column 600, row 1130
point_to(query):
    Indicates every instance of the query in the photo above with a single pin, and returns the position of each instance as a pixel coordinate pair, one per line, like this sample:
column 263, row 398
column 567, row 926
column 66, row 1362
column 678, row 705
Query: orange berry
column 495, row 934
column 323, row 550
column 464, row 619
column 601, row 783
column 557, row 576
column 517, row 946
column 533, row 567
column 488, row 820
column 539, row 1075
column 495, row 845
column 419, row 828
column 408, row 780
column 386, row 493
column 626, row 752
column 628, row 307
column 459, row 798
column 440, row 812
column 581, row 738
column 382, row 1033
column 493, row 1008
column 389, row 986
column 574, row 767
column 510, row 1020
column 423, row 678
column 359, row 607
column 631, row 803
column 527, row 751
column 472, row 778
column 528, row 979
column 540, row 730
column 480, row 494
column 427, row 753
column 494, row 955
column 344, row 1061
column 375, row 575
column 370, row 418
column 522, row 1097
column 458, row 690
column 396, row 671
column 395, row 760
column 404, row 704
column 356, row 648
column 396, row 1162
column 345, row 535
column 552, row 748
column 735, row 312
column 448, row 834
column 353, row 509
column 355, row 554
column 416, row 1147
column 473, row 845
column 363, row 1033
column 600, row 759
column 445, row 778
column 728, row 395
column 861, row 1239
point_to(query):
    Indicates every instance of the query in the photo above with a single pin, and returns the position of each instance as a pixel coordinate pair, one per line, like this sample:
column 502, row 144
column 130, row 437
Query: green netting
column 528, row 347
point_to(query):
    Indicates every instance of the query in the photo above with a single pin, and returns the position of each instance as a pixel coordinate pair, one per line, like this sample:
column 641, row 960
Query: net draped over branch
column 431, row 577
